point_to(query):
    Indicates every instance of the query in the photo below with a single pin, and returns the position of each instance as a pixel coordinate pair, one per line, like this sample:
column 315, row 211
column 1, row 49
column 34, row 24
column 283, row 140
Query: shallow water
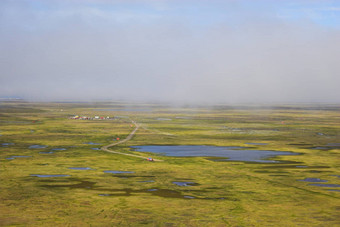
column 7, row 144
column 92, row 143
column 117, row 171
column 313, row 180
column 256, row 143
column 184, row 184
column 56, row 175
column 232, row 153
column 95, row 148
column 80, row 168
column 18, row 156
column 326, row 185
column 58, row 149
column 46, row 152
column 37, row 146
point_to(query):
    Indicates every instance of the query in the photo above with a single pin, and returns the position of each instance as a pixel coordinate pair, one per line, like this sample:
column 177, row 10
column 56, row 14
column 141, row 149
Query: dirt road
column 106, row 148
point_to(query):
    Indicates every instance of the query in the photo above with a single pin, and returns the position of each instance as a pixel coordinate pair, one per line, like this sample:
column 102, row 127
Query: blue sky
column 234, row 50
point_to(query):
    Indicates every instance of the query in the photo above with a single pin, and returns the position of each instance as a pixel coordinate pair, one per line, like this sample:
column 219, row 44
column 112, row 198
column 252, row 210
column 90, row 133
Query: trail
column 106, row 148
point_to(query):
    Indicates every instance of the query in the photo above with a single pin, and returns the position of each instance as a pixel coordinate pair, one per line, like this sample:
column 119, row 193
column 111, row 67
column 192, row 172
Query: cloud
column 165, row 52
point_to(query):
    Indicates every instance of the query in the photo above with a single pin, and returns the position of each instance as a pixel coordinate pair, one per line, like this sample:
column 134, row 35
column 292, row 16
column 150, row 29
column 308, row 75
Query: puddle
column 152, row 190
column 7, row 144
column 92, row 143
column 117, row 172
column 231, row 153
column 18, row 156
column 321, row 148
column 314, row 180
column 184, row 184
column 256, row 143
column 326, row 185
column 163, row 119
column 57, row 175
column 58, row 149
column 189, row 197
column 46, row 152
column 80, row 168
column 95, row 148
column 37, row 146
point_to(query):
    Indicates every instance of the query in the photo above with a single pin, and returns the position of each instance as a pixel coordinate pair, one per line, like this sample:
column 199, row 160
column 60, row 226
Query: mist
column 170, row 51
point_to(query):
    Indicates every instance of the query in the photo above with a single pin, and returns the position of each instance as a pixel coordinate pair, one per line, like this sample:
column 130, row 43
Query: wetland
column 230, row 166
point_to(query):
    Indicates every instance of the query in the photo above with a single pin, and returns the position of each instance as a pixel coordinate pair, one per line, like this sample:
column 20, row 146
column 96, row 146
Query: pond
column 37, row 146
column 18, row 156
column 80, row 168
column 231, row 153
column 117, row 171
column 56, row 175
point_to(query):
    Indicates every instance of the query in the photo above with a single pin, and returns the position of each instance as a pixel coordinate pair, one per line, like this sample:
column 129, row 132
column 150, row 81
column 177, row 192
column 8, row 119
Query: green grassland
column 226, row 194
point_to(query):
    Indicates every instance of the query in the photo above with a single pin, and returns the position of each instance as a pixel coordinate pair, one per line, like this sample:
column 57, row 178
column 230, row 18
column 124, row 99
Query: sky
column 179, row 51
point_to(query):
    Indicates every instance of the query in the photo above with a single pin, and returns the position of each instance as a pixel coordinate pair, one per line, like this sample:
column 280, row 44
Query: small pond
column 184, row 184
column 58, row 149
column 117, row 171
column 314, row 180
column 231, row 153
column 326, row 185
column 80, row 168
column 46, row 152
column 92, row 143
column 56, row 175
column 17, row 156
column 7, row 144
column 37, row 146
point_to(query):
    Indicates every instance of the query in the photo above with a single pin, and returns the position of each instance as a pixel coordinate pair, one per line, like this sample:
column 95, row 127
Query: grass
column 226, row 194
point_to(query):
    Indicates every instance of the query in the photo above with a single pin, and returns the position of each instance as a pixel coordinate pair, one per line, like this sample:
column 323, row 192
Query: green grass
column 227, row 194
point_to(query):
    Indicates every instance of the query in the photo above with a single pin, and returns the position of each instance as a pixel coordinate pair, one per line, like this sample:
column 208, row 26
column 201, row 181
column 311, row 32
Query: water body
column 7, row 144
column 57, row 175
column 117, row 171
column 95, row 148
column 92, row 143
column 184, row 184
column 37, row 146
column 58, row 149
column 256, row 143
column 231, row 153
column 326, row 185
column 314, row 180
column 80, row 168
column 46, row 152
column 18, row 156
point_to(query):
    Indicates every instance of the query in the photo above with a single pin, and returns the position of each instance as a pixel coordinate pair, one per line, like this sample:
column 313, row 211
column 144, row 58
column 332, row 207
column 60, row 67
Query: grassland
column 226, row 193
